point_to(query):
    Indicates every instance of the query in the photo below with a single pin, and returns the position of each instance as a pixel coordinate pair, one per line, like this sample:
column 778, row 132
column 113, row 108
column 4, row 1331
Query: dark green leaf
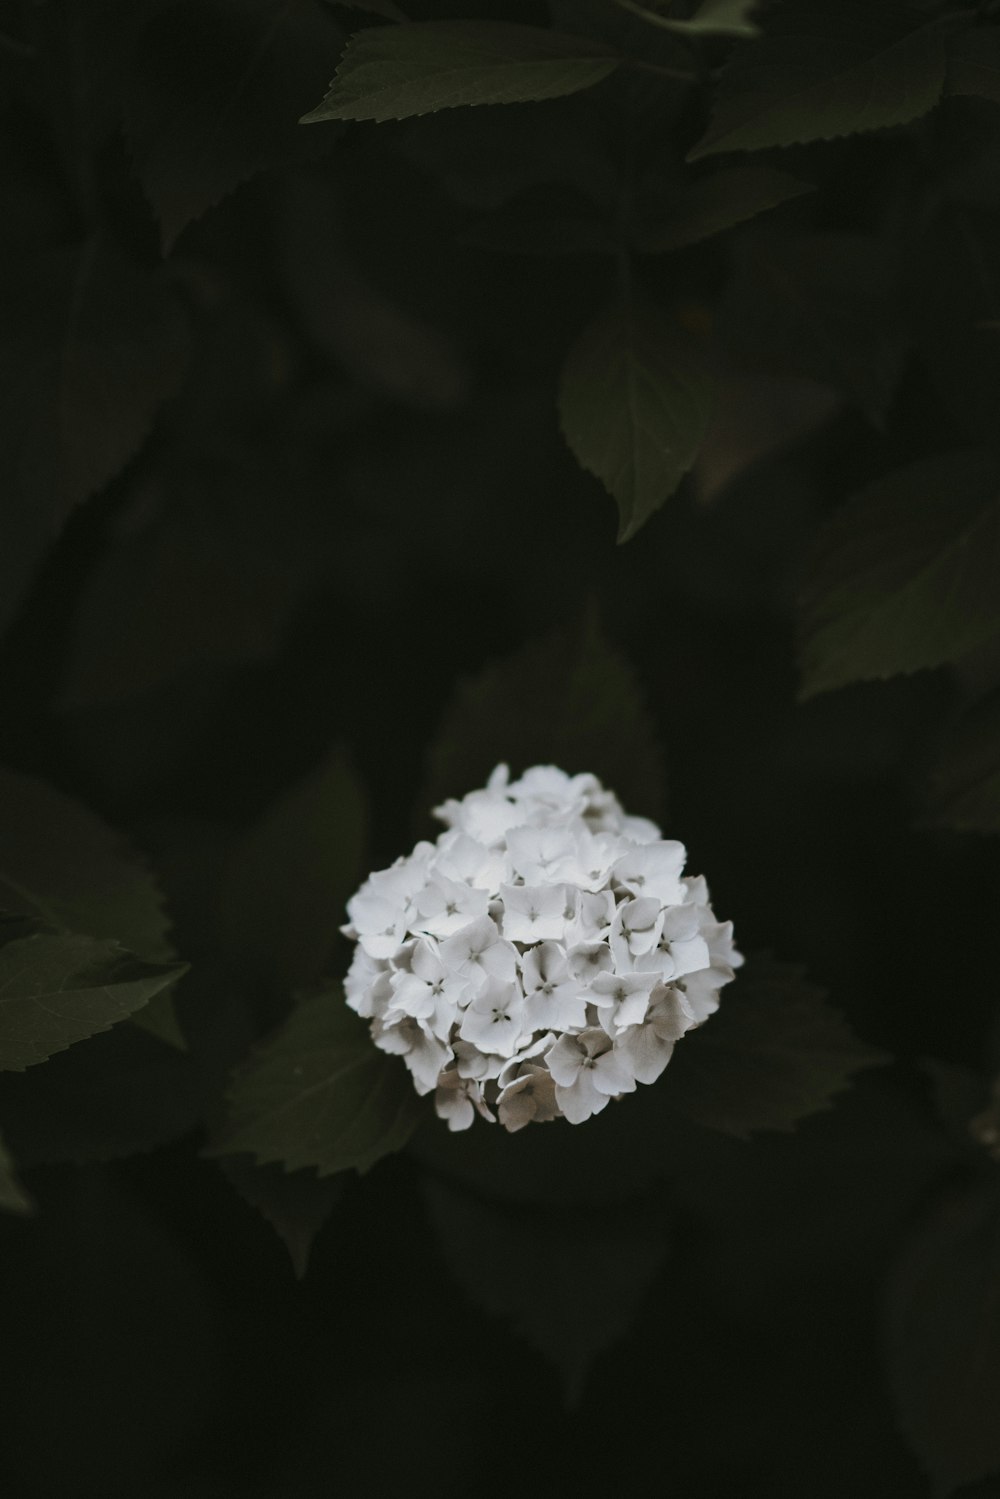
column 579, row 705
column 121, row 1095
column 974, row 63
column 91, row 347
column 962, row 787
column 535, row 1269
column 320, row 1095
column 634, row 403
column 904, row 576
column 774, row 1053
column 297, row 1204
column 57, row 988
column 62, row 865
column 392, row 72
column 944, row 1338
column 818, row 306
column 712, row 204
column 827, row 68
column 217, row 88
column 13, row 1197
column 287, row 884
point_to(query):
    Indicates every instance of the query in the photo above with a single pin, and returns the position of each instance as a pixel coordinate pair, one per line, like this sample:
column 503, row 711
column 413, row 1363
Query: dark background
column 336, row 491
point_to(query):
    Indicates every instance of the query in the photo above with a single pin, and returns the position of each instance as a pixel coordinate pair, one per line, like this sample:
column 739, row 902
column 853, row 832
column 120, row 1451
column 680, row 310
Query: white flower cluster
column 541, row 958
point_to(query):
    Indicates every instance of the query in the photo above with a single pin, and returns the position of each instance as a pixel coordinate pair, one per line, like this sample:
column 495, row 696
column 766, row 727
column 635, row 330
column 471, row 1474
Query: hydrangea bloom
column 541, row 958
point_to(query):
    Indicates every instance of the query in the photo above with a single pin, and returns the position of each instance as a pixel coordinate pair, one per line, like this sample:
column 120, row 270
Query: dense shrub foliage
column 388, row 393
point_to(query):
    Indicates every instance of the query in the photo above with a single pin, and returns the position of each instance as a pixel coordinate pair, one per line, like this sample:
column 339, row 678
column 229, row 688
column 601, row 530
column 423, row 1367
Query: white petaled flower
column 542, row 958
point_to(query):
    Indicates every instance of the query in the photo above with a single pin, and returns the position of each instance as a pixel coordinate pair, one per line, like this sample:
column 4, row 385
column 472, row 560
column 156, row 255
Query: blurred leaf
column 88, row 51
column 958, row 1095
column 487, row 158
column 953, row 306
column 904, row 575
column 756, row 418
column 605, row 1164
column 534, row 225
column 962, row 787
column 111, row 1312
column 376, row 337
column 710, row 205
column 296, row 1204
column 57, row 988
column 535, row 1268
column 13, row 1198
column 217, row 88
column 122, row 1094
column 319, row 1095
column 826, row 68
column 984, row 1126
column 974, row 63
column 284, row 892
column 204, row 569
column 944, row 1338
column 91, row 346
column 384, row 8
column 392, row 72
column 61, row 864
column 820, row 306
column 579, row 705
column 774, row 1053
column 634, row 403
column 712, row 18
